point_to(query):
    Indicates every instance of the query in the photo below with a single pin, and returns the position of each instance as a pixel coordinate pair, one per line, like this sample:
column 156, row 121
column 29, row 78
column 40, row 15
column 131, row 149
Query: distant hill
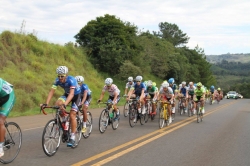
column 243, row 58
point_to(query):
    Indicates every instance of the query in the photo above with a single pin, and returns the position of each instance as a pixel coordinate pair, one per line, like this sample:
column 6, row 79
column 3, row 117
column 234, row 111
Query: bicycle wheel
column 51, row 138
column 12, row 142
column 115, row 122
column 211, row 101
column 132, row 115
column 89, row 123
column 126, row 109
column 198, row 113
column 189, row 109
column 147, row 114
column 103, row 120
column 161, row 118
column 78, row 133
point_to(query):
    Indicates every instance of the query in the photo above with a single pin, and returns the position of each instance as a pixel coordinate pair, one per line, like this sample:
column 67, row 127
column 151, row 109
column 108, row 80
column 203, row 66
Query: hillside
column 30, row 65
column 243, row 58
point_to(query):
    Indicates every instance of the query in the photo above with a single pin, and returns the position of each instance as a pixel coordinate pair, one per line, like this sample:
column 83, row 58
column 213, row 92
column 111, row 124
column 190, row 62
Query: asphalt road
column 222, row 139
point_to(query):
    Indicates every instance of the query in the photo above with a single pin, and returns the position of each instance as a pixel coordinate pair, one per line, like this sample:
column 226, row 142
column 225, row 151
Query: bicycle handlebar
column 42, row 109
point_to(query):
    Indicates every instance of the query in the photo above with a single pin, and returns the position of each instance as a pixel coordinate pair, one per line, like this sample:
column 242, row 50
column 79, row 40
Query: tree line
column 121, row 50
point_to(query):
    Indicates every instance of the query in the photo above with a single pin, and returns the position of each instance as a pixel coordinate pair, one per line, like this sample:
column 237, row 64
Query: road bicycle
column 134, row 114
column 57, row 129
column 164, row 114
column 12, row 142
column 149, row 108
column 211, row 99
column 89, row 123
column 108, row 116
column 190, row 107
column 199, row 112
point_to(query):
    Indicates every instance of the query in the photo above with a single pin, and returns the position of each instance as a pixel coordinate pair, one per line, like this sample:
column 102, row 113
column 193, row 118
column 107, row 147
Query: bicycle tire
column 10, row 143
column 147, row 114
column 103, row 121
column 189, row 109
column 126, row 109
column 78, row 133
column 132, row 115
column 115, row 122
column 198, row 113
column 89, row 125
column 161, row 118
column 51, row 132
column 142, row 118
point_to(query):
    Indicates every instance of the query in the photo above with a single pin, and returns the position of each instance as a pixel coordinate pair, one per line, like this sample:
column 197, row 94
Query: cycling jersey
column 138, row 88
column 128, row 85
column 212, row 90
column 191, row 90
column 84, row 87
column 7, row 97
column 199, row 92
column 183, row 90
column 173, row 87
column 151, row 90
column 111, row 90
column 69, row 84
column 168, row 94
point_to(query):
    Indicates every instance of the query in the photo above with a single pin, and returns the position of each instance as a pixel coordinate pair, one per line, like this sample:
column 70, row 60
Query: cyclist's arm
column 126, row 90
column 142, row 94
column 84, row 96
column 50, row 95
column 70, row 96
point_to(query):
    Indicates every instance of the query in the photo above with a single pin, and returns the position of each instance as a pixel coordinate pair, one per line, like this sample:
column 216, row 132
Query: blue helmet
column 212, row 87
column 171, row 81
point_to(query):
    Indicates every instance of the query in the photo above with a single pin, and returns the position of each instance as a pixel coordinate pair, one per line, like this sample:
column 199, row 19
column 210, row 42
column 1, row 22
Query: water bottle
column 111, row 115
column 66, row 127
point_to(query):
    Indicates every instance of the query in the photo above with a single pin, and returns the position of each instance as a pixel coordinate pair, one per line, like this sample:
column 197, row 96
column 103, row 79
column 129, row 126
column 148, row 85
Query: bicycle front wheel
column 132, row 116
column 126, row 109
column 89, row 123
column 115, row 121
column 161, row 118
column 103, row 121
column 12, row 142
column 51, row 138
column 198, row 114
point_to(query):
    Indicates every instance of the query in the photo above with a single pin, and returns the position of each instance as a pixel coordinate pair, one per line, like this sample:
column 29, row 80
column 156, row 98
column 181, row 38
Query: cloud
column 210, row 24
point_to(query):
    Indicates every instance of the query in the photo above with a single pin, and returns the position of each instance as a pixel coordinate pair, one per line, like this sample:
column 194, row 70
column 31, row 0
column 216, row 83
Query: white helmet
column 138, row 78
column 150, row 83
column 62, row 70
column 130, row 79
column 79, row 79
column 183, row 83
column 165, row 84
column 108, row 81
column 191, row 83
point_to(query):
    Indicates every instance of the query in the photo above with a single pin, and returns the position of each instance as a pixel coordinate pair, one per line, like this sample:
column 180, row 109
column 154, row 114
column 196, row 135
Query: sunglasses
column 61, row 76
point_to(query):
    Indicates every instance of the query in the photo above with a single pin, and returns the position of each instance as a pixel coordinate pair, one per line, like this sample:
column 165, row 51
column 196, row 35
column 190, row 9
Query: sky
column 217, row 26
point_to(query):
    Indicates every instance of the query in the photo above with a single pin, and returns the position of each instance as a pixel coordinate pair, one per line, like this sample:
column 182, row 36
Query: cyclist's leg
column 142, row 101
column 5, row 109
column 85, row 109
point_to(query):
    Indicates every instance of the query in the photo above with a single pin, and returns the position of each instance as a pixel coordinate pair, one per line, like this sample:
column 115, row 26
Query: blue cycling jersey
column 138, row 88
column 85, row 87
column 69, row 83
column 173, row 87
column 212, row 90
column 183, row 90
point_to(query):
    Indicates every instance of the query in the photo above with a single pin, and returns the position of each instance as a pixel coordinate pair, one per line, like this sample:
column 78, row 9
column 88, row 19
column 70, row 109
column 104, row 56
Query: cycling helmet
column 154, row 83
column 212, row 87
column 165, row 84
column 138, row 78
column 150, row 83
column 171, row 81
column 191, row 83
column 183, row 83
column 199, row 84
column 180, row 85
column 219, row 89
column 130, row 79
column 79, row 79
column 62, row 70
column 108, row 81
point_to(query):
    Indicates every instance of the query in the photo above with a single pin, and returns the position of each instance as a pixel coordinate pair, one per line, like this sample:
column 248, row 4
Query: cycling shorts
column 7, row 103
column 74, row 102
column 117, row 99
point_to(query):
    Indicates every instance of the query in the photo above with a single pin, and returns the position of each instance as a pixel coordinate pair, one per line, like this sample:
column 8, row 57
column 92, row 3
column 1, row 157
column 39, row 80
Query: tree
column 172, row 33
column 109, row 42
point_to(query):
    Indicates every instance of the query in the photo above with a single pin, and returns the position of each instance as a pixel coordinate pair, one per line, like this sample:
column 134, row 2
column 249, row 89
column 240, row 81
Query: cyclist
column 129, row 84
column 71, row 94
column 182, row 93
column 85, row 99
column 218, row 93
column 7, row 101
column 199, row 95
column 166, row 94
column 138, row 91
column 212, row 93
column 190, row 93
column 114, row 94
column 156, row 89
column 173, row 86
column 153, row 95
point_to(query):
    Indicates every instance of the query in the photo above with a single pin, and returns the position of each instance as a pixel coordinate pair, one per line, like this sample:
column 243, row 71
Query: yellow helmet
column 154, row 83
column 219, row 89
